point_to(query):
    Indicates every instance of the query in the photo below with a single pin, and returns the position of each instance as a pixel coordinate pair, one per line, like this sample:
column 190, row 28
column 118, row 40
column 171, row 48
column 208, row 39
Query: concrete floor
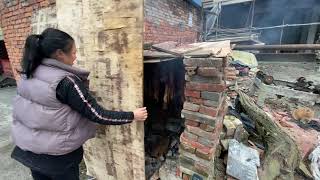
column 291, row 71
column 9, row 168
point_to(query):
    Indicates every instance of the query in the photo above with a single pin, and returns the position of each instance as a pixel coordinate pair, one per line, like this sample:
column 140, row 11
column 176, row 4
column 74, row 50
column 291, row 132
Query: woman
column 53, row 113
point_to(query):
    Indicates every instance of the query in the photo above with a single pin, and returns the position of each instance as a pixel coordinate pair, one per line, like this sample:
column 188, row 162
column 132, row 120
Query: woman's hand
column 140, row 114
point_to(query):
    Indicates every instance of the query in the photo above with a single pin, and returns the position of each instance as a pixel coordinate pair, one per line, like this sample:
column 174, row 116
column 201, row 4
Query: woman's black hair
column 42, row 46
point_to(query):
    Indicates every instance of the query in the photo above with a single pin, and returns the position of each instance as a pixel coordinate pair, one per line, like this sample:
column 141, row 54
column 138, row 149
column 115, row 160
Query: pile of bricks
column 204, row 109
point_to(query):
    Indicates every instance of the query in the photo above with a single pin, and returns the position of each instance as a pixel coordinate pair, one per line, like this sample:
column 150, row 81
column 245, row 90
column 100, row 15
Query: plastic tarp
column 244, row 58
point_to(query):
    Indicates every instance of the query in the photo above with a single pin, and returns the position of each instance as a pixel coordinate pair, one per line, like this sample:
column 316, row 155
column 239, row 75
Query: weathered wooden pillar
column 109, row 38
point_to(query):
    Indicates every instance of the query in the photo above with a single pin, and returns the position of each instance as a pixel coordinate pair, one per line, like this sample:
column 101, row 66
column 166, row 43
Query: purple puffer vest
column 41, row 123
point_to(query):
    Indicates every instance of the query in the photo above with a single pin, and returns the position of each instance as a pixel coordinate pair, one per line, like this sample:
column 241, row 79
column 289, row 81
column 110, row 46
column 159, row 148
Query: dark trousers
column 71, row 174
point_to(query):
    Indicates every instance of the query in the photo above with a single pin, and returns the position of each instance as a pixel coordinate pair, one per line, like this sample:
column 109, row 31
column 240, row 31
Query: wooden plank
column 217, row 49
column 109, row 38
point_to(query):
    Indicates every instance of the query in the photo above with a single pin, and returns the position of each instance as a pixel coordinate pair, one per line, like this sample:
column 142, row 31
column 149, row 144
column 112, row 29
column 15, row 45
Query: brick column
column 203, row 111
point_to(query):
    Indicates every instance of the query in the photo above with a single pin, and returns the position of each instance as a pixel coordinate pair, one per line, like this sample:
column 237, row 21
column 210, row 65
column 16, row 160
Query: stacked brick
column 15, row 21
column 203, row 112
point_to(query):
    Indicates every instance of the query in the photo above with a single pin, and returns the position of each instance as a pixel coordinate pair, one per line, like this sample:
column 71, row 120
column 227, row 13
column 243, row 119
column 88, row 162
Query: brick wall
column 165, row 20
column 204, row 109
column 15, row 20
column 168, row 20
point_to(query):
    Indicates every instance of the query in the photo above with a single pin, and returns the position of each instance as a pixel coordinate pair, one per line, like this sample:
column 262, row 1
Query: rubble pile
column 293, row 120
column 265, row 134
column 240, row 73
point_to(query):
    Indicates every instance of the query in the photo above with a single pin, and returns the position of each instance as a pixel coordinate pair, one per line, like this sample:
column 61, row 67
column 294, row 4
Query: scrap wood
column 195, row 50
column 217, row 49
column 167, row 51
column 282, row 154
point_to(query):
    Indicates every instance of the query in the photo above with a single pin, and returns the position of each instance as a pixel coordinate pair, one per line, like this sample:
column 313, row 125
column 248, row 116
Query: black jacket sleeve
column 72, row 91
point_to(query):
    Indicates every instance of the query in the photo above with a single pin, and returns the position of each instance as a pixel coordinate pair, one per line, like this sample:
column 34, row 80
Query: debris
column 7, row 82
column 220, row 169
column 303, row 114
column 244, row 58
column 155, row 176
column 225, row 144
column 168, row 171
column 241, row 135
column 230, row 127
column 282, row 155
column 282, row 118
column 303, row 170
column 242, row 161
column 303, row 85
column 231, row 123
column 266, row 79
column 314, row 157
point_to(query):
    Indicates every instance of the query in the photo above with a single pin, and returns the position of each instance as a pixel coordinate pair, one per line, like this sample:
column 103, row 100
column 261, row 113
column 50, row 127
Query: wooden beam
column 109, row 39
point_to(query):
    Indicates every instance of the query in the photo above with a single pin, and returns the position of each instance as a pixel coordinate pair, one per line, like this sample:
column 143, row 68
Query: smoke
column 272, row 13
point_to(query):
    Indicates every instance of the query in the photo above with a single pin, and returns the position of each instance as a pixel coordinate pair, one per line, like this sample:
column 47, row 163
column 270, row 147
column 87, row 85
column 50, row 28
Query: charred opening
column 4, row 59
column 164, row 97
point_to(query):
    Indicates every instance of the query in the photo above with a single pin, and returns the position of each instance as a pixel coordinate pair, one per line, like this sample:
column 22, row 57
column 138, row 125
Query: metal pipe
column 285, row 25
column 252, row 15
column 279, row 47
column 281, row 33
column 268, row 27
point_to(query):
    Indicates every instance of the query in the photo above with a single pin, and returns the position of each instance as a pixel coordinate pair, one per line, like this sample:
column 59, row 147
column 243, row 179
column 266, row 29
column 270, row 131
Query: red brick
column 191, row 143
column 208, row 111
column 191, row 107
column 187, row 148
column 207, row 127
column 202, row 169
column 195, row 94
column 192, row 123
column 195, row 100
column 205, row 87
column 208, row 71
column 201, row 133
column 205, row 153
